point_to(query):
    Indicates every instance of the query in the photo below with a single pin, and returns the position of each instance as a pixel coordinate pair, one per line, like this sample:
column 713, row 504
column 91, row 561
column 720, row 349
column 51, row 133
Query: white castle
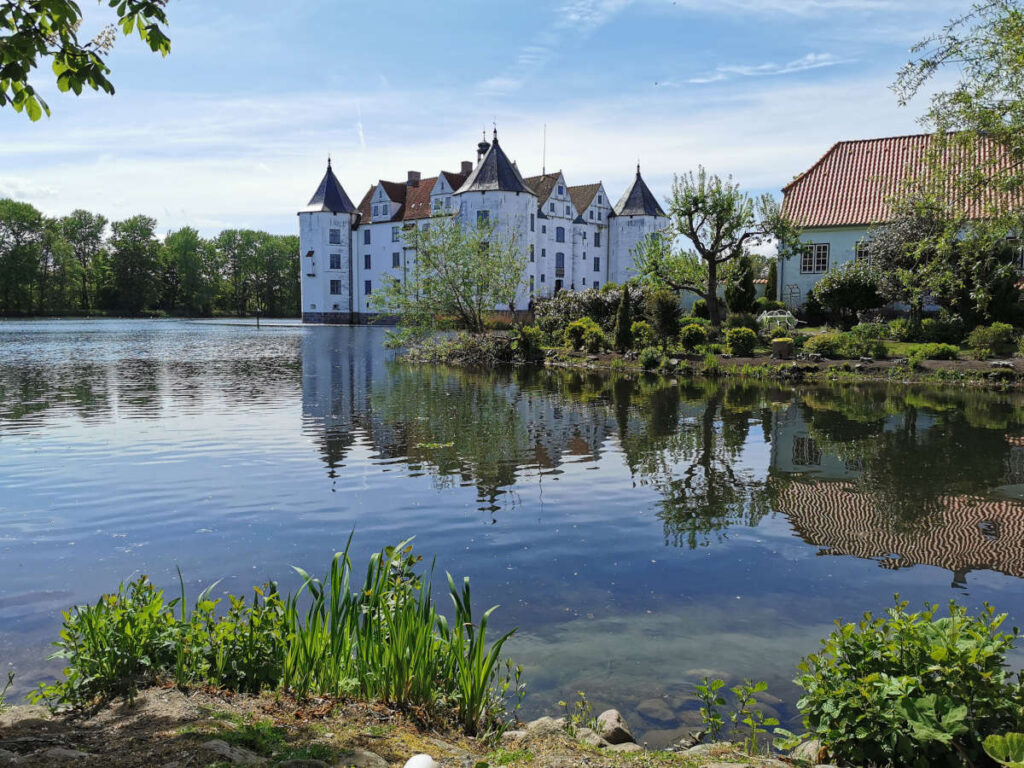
column 572, row 236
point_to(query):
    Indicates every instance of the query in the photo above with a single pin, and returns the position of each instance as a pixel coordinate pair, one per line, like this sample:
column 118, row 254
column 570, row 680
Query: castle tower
column 325, row 248
column 637, row 216
column 495, row 193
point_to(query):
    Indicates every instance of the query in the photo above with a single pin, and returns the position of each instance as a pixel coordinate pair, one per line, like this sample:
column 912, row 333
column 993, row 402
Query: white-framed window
column 542, row 277
column 366, row 237
column 531, row 253
column 584, row 280
column 396, row 260
column 335, row 237
column 861, row 252
column 335, row 261
column 395, row 235
column 599, row 215
column 559, row 234
column 367, row 287
column 482, row 217
column 543, row 253
column 376, row 210
column 335, row 287
column 597, row 263
column 597, row 239
column 438, row 204
column 596, row 285
column 591, row 213
column 551, row 207
column 599, row 200
column 567, row 210
column 531, row 283
column 561, row 189
column 814, row 258
column 367, row 261
column 531, row 222
column 543, row 229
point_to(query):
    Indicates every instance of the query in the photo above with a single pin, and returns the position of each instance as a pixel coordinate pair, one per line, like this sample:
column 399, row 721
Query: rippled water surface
column 640, row 533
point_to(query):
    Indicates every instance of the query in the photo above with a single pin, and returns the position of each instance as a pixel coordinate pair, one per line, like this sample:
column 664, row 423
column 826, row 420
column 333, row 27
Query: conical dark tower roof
column 495, row 173
column 329, row 196
column 638, row 200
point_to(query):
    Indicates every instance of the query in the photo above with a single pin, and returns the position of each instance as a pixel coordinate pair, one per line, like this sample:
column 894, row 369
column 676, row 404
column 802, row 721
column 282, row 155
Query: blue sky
column 233, row 128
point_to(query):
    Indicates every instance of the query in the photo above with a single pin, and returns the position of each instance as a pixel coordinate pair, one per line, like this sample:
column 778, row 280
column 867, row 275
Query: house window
column 551, row 207
column 482, row 217
column 591, row 213
column 376, row 209
column 531, row 222
column 447, row 202
column 806, row 452
column 335, row 237
column 366, row 261
column 814, row 258
column 861, row 252
column 335, row 287
column 395, row 235
column 335, row 261
column 425, row 227
column 366, row 237
column 367, row 287
column 559, row 234
column 531, row 253
column 597, row 239
column 597, row 263
column 396, row 260
column 438, row 202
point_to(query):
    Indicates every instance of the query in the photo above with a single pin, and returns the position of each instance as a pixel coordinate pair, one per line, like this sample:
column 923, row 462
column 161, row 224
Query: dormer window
column 591, row 213
column 551, row 207
column 567, row 210
column 599, row 200
column 561, row 189
column 376, row 210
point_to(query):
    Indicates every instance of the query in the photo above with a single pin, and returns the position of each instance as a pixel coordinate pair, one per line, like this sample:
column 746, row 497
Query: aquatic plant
column 384, row 640
column 710, row 701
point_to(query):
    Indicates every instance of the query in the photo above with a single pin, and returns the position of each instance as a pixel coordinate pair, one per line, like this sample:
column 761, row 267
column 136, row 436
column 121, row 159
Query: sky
column 234, row 127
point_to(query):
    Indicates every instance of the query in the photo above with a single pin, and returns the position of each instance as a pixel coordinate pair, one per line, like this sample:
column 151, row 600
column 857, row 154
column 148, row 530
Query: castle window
column 396, row 260
column 531, row 253
column 861, row 252
column 597, row 239
column 335, row 287
column 335, row 261
column 482, row 217
column 543, row 253
column 568, row 210
column 395, row 237
column 584, row 281
column 447, row 202
column 542, row 277
column 596, row 285
column 597, row 263
column 599, row 214
column 561, row 189
column 599, row 200
column 531, row 222
column 559, row 234
column 543, row 229
column 367, row 287
column 335, row 237
column 531, row 283
column 366, row 261
column 366, row 237
column 551, row 207
column 591, row 213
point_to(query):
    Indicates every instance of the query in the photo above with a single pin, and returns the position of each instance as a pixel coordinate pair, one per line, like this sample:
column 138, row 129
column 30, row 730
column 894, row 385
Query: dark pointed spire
column 638, row 200
column 329, row 196
column 495, row 173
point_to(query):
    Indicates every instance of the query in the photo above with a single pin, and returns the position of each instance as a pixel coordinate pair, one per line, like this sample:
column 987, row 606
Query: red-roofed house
column 837, row 200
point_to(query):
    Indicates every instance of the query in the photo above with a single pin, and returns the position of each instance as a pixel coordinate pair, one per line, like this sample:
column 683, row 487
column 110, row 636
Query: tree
column 663, row 312
column 771, row 290
column 984, row 50
column 740, row 293
column 623, row 340
column 190, row 276
column 84, row 232
column 849, row 289
column 134, row 263
column 456, row 273
column 719, row 221
column 31, row 30
column 21, row 236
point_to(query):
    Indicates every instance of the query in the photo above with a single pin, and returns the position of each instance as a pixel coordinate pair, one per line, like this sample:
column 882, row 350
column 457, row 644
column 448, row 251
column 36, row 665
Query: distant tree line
column 82, row 264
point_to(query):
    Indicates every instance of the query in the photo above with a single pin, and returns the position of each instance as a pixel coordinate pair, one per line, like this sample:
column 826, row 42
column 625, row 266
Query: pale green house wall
column 793, row 285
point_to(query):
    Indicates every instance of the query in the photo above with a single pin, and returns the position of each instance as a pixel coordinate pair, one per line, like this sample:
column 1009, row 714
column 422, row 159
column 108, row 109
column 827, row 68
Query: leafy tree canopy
column 34, row 30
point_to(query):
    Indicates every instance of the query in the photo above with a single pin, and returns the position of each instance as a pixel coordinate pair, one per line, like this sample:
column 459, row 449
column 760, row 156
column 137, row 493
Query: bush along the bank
column 693, row 336
column 912, row 689
column 385, row 640
column 741, row 341
column 844, row 345
column 649, row 358
column 643, row 335
column 991, row 338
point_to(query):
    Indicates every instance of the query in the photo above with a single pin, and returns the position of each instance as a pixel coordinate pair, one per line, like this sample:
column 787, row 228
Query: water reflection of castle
column 834, row 501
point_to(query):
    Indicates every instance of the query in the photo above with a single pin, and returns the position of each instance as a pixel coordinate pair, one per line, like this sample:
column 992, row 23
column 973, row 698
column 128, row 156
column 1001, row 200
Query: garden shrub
column 742, row 320
column 527, row 344
column 594, row 339
column 692, row 336
column 643, row 336
column 912, row 689
column 812, row 311
column 778, row 332
column 554, row 314
column 577, row 330
column 663, row 313
column 839, row 345
column 997, row 337
column 764, row 304
column 649, row 358
column 948, row 330
column 901, row 329
column 700, row 309
column 623, row 335
column 936, row 351
column 741, row 341
column 870, row 330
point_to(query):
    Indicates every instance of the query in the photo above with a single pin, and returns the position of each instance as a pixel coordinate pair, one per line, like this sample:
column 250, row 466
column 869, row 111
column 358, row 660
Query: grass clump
column 383, row 639
column 3, row 691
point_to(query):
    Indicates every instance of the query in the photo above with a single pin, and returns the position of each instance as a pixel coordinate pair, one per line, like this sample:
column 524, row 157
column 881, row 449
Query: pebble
column 233, row 755
column 613, row 728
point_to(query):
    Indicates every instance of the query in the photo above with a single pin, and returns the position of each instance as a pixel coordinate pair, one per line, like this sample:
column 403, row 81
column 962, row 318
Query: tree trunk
column 712, row 295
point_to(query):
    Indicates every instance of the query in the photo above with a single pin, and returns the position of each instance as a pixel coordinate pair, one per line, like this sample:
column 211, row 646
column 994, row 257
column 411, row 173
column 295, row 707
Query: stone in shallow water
column 591, row 738
column 611, row 725
column 656, row 711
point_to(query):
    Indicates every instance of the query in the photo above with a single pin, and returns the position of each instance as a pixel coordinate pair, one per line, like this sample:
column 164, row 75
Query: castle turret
column 325, row 247
column 637, row 215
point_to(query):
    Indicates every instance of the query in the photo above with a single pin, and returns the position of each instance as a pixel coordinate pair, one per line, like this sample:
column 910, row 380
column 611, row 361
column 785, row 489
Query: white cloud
column 810, row 61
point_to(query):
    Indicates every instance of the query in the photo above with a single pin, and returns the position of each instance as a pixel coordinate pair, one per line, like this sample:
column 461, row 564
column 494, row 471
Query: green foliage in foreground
column 911, row 689
column 3, row 691
column 385, row 641
column 1006, row 750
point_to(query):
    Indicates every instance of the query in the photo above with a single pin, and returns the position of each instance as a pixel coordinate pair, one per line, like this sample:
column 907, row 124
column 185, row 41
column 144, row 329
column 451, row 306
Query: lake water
column 640, row 533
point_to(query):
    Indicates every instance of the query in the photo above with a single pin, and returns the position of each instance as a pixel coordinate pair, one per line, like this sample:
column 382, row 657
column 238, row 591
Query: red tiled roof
column 414, row 199
column 542, row 185
column 852, row 182
column 582, row 196
column 417, row 199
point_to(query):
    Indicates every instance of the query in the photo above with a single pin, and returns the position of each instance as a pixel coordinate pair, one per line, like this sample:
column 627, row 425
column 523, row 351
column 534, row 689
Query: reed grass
column 385, row 640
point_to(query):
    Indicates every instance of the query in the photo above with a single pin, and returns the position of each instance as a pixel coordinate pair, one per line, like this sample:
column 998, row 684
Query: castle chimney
column 414, row 179
column 467, row 167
